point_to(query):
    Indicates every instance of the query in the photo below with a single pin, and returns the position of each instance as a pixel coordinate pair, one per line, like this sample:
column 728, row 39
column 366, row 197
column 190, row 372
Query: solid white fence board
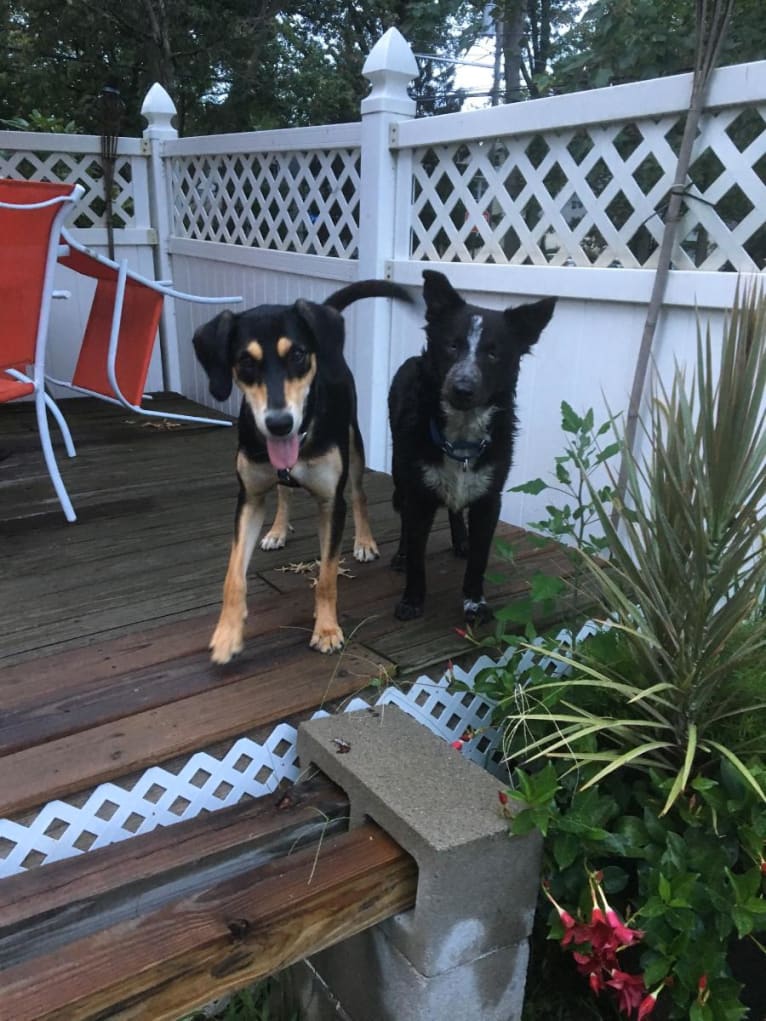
column 685, row 288
column 325, row 136
column 59, row 143
column 730, row 86
column 289, row 278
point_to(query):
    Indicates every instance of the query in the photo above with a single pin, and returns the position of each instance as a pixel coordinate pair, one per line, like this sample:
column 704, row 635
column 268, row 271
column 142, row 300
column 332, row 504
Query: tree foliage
column 231, row 65
column 619, row 41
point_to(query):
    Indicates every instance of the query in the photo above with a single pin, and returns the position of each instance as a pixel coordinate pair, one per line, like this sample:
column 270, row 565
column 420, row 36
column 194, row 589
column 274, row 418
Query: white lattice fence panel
column 79, row 168
column 159, row 797
column 595, row 195
column 292, row 201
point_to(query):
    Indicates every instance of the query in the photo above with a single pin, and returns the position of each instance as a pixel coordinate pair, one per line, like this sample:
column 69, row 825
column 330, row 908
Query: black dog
column 297, row 426
column 452, row 412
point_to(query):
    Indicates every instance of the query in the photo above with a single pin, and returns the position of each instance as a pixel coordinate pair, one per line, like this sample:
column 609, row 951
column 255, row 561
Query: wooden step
column 125, row 957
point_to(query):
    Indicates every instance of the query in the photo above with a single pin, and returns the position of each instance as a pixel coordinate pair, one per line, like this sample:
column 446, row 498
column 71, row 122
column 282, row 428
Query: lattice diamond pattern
column 595, row 196
column 78, row 168
column 161, row 798
column 305, row 202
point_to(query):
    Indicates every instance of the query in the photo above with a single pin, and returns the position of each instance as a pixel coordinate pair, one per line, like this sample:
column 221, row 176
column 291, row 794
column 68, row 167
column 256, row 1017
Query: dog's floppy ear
column 527, row 322
column 328, row 329
column 213, row 349
column 439, row 294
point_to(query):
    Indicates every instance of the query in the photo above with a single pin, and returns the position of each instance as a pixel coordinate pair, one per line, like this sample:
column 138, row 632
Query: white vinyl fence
column 560, row 196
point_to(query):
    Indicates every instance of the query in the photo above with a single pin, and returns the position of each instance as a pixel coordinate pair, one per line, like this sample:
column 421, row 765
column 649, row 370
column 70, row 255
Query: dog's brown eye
column 248, row 369
column 299, row 359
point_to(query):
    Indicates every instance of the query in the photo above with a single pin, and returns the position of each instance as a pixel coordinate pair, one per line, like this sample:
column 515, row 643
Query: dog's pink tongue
column 283, row 453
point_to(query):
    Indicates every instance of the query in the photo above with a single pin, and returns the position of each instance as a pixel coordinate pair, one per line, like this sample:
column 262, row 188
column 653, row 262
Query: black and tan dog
column 298, row 426
column 452, row 413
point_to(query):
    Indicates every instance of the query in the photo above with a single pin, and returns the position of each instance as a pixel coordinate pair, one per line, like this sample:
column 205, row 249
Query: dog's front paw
column 405, row 610
column 227, row 641
column 365, row 551
column 327, row 639
column 273, row 540
column 476, row 612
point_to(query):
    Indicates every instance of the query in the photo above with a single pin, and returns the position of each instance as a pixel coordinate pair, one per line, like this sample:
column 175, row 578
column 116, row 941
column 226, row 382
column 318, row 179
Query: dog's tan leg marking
column 365, row 548
column 276, row 536
column 228, row 637
column 327, row 636
column 321, row 478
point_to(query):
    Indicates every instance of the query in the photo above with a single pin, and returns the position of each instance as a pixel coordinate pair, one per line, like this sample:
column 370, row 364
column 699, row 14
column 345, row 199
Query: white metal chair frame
column 43, row 402
column 163, row 287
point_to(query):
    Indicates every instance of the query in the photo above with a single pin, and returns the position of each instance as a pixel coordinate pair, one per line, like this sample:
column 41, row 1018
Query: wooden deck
column 103, row 662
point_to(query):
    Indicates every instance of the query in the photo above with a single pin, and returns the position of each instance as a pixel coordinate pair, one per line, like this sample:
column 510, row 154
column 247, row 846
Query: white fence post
column 158, row 111
column 390, row 67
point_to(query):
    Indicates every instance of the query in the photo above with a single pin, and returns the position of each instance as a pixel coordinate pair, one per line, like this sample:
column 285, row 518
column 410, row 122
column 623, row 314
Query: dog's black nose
column 463, row 392
column 279, row 423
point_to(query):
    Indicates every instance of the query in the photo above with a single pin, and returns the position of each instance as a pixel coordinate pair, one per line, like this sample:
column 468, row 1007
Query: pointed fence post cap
column 390, row 66
column 159, row 110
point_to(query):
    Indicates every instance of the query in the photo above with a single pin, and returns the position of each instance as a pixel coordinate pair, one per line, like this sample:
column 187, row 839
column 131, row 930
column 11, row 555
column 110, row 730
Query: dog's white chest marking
column 457, row 485
column 454, row 487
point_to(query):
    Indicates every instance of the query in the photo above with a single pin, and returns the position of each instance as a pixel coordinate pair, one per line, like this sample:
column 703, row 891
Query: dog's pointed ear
column 527, row 322
column 439, row 294
column 328, row 330
column 212, row 345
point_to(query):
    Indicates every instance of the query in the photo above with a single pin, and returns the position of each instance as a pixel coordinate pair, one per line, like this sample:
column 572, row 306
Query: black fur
column 221, row 343
column 297, row 425
column 462, row 388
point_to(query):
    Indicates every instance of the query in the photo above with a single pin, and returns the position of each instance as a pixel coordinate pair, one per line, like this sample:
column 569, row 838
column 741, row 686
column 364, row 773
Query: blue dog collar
column 464, row 451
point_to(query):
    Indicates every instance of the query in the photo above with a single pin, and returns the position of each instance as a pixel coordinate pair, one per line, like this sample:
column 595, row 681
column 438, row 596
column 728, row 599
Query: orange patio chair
column 31, row 219
column 121, row 330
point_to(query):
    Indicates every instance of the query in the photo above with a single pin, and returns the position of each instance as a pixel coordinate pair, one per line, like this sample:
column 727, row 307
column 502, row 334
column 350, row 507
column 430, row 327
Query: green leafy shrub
column 643, row 764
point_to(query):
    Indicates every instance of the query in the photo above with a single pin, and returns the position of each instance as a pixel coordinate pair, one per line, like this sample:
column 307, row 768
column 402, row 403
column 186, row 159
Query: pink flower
column 622, row 933
column 703, row 993
column 631, row 992
column 457, row 744
column 461, row 632
column 646, row 1006
column 566, row 919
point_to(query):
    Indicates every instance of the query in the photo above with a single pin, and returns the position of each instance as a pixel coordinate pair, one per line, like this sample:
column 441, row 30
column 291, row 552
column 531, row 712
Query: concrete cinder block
column 374, row 981
column 477, row 887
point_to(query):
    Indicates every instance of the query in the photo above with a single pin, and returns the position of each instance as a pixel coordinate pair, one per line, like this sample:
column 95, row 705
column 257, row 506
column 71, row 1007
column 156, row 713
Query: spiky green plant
column 683, row 586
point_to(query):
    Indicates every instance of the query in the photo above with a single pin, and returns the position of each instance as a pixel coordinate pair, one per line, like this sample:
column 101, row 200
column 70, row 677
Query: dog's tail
column 366, row 289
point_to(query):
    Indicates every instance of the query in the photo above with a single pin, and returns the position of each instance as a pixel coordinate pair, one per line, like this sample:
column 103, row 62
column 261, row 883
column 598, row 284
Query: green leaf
column 682, row 777
column 741, row 768
column 570, row 420
column 566, row 848
column 743, row 920
column 532, row 488
column 656, row 970
column 546, row 586
column 700, row 1012
column 611, row 450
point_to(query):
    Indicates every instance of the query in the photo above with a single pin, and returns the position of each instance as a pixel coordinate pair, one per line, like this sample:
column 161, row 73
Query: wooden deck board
column 105, row 623
column 192, row 949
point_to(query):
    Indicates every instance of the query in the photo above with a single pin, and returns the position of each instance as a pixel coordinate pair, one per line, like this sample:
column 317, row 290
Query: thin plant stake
column 111, row 116
column 712, row 20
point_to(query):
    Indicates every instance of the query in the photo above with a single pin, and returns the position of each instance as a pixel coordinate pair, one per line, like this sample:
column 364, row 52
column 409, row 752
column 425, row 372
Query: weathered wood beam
column 167, row 962
column 46, row 908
